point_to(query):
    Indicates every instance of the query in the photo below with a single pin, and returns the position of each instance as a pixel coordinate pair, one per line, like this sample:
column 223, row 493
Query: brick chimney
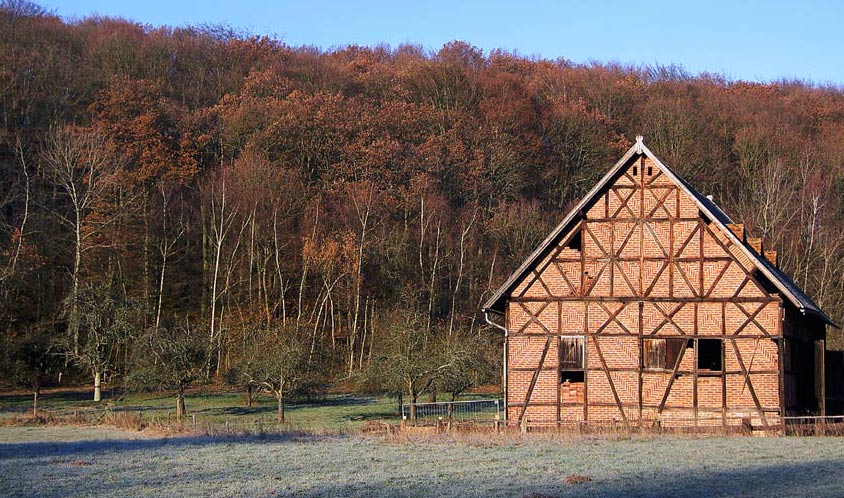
column 737, row 229
column 771, row 256
column 755, row 243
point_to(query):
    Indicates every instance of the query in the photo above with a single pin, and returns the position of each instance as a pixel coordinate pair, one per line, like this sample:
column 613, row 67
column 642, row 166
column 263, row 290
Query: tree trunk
column 364, row 220
column 280, row 414
column 165, row 252
column 463, row 235
column 145, row 255
column 97, row 386
column 180, row 404
column 74, row 288
column 401, row 402
column 35, row 393
column 413, row 397
column 277, row 251
column 160, row 294
column 213, row 324
column 434, row 265
column 220, row 228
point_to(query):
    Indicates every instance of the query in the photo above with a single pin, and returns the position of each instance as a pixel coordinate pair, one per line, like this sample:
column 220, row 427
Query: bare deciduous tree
column 105, row 322
column 79, row 163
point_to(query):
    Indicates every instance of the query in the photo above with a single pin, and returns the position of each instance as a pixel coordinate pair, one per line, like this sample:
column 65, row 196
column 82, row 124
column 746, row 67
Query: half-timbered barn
column 648, row 305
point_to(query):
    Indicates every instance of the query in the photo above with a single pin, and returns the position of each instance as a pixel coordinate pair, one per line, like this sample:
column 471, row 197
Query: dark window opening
column 571, row 376
column 662, row 354
column 650, row 170
column 709, row 355
column 763, row 281
column 576, row 242
column 635, row 171
column 571, row 353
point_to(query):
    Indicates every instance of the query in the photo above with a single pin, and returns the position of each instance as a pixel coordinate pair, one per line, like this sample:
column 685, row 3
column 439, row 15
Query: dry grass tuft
column 29, row 420
column 577, row 479
column 127, row 420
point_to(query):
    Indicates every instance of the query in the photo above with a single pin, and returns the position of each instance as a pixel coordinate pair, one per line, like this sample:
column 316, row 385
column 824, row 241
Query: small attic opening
column 650, row 171
column 764, row 281
column 576, row 242
column 635, row 170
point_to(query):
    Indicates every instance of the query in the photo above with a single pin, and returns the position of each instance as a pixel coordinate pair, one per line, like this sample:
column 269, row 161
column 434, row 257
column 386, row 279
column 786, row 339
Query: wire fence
column 458, row 411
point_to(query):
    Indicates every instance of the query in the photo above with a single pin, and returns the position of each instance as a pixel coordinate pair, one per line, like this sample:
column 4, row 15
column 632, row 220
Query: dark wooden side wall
column 804, row 364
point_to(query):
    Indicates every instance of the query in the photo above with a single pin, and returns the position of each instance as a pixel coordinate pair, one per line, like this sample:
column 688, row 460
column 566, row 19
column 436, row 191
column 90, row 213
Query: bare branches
column 19, row 232
column 77, row 161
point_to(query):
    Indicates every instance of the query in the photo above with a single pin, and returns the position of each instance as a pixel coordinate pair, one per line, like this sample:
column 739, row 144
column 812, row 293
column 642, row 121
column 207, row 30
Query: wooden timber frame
column 642, row 261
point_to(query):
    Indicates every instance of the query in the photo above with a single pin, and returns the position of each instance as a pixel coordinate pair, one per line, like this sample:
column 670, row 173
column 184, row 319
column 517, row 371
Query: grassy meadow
column 331, row 413
column 102, row 461
column 329, row 456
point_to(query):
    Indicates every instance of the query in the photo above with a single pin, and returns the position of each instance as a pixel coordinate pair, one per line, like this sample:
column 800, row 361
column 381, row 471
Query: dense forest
column 195, row 206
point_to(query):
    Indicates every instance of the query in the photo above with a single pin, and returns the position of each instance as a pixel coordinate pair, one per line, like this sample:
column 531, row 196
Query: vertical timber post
column 585, row 362
column 559, row 360
column 641, row 357
column 781, row 364
column 724, row 366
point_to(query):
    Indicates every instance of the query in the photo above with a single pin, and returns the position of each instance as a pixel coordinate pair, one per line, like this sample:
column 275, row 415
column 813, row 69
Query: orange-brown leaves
column 145, row 129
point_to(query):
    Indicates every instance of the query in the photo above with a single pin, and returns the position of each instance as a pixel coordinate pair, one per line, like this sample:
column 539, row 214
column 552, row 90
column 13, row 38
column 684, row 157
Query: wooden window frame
column 582, row 344
column 667, row 354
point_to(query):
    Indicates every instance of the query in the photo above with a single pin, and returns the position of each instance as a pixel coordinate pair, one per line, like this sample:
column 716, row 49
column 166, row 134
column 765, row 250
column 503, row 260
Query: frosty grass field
column 101, row 461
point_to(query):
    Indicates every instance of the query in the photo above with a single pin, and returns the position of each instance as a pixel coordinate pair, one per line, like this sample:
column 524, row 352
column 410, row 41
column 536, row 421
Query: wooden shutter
column 571, row 353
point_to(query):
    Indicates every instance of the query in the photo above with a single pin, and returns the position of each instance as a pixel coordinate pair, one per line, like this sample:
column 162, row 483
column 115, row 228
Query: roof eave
column 753, row 257
column 820, row 314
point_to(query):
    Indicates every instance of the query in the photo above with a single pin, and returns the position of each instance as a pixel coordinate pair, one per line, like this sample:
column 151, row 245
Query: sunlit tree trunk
column 97, row 386
column 463, row 234
column 35, row 393
column 280, row 407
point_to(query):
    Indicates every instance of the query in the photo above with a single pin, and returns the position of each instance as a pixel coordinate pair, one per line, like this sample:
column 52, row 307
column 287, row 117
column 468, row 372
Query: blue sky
column 749, row 40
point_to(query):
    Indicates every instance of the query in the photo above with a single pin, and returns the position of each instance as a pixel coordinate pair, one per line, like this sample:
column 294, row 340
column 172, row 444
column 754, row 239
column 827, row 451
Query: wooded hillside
column 245, row 211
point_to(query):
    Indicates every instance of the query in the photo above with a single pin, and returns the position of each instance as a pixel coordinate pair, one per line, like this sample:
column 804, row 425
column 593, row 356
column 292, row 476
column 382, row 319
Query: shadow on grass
column 69, row 397
column 816, row 479
column 238, row 411
column 382, row 416
column 332, row 401
column 70, row 449
column 268, row 405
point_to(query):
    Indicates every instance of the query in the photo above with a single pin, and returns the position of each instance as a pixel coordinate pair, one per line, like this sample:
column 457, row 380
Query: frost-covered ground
column 102, row 462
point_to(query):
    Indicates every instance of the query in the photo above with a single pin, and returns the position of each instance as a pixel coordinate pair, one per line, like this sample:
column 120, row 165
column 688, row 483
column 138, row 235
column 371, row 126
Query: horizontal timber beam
column 645, row 299
column 649, row 336
column 664, row 219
